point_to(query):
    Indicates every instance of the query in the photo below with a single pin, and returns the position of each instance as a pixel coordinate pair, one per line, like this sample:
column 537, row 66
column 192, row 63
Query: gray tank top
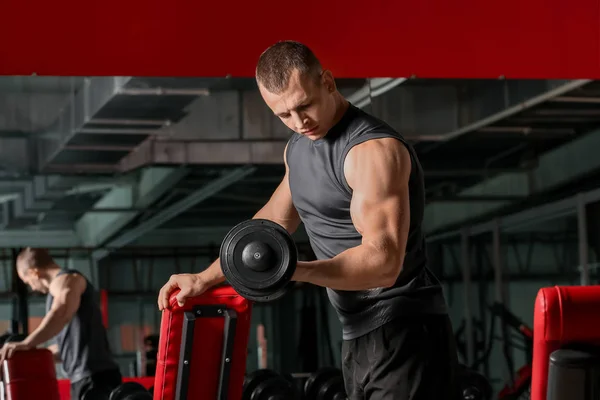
column 83, row 343
column 322, row 197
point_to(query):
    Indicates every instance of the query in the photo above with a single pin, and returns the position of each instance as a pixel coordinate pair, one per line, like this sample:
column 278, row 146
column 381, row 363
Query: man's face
column 31, row 277
column 307, row 106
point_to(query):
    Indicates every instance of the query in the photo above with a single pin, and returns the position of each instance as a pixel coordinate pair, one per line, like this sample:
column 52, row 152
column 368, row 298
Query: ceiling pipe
column 373, row 88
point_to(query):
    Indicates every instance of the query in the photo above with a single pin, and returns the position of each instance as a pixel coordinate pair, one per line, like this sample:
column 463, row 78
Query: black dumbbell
column 325, row 384
column 473, row 385
column 130, row 391
column 96, row 394
column 266, row 384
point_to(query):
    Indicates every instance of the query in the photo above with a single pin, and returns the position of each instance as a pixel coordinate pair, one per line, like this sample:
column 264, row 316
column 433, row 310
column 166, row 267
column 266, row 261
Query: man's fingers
column 182, row 295
column 163, row 297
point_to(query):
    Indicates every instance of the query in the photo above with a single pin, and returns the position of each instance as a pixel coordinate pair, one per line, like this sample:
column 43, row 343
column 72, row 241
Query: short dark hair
column 276, row 64
column 36, row 258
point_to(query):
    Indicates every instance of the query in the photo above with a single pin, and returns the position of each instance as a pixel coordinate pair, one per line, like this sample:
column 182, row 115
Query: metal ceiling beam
column 373, row 88
column 173, row 210
column 127, row 199
column 38, row 238
column 553, row 169
column 158, row 152
column 532, row 216
column 94, row 94
column 511, row 110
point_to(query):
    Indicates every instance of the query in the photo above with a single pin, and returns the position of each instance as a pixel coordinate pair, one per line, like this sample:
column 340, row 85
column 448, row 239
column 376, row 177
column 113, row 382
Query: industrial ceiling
column 103, row 161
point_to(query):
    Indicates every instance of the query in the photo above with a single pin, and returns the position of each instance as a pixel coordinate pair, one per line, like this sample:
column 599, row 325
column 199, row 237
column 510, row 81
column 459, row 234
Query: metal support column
column 20, row 308
column 497, row 254
column 466, row 270
column 501, row 296
column 583, row 242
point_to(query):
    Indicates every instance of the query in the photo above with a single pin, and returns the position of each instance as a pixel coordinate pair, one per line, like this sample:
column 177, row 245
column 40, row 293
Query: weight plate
column 258, row 258
column 94, row 393
column 254, row 379
column 474, row 385
column 129, row 391
column 318, row 379
column 331, row 388
column 274, row 388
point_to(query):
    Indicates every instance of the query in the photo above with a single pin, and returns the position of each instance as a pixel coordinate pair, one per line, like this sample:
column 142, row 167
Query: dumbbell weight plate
column 253, row 379
column 474, row 386
column 96, row 394
column 332, row 389
column 322, row 383
column 263, row 383
column 274, row 388
column 258, row 258
column 130, row 391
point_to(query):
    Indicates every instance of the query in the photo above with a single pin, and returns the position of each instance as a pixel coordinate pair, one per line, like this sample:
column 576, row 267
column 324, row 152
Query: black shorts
column 412, row 357
column 104, row 381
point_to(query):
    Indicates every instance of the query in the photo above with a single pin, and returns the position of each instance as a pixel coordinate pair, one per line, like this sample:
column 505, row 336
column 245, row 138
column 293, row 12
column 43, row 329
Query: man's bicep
column 67, row 293
column 378, row 172
column 280, row 207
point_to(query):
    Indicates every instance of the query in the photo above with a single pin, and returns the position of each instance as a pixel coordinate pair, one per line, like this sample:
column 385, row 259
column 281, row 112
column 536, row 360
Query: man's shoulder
column 68, row 279
column 364, row 123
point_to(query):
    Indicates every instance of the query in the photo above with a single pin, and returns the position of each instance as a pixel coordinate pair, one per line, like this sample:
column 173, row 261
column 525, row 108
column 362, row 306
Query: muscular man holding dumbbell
column 73, row 320
column 357, row 186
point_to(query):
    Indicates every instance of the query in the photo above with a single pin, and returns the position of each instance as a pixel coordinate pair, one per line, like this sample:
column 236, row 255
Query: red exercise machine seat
column 563, row 315
column 203, row 347
column 30, row 374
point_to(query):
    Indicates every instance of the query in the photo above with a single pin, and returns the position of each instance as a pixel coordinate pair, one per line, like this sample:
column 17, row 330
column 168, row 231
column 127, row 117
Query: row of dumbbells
column 328, row 384
column 266, row 384
column 126, row 391
column 263, row 384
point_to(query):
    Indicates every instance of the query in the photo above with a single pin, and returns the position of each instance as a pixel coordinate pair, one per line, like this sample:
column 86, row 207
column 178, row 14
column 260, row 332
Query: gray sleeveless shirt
column 83, row 343
column 322, row 197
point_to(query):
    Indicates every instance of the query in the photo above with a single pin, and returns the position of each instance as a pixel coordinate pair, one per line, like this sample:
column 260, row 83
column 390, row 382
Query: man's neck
column 341, row 107
column 52, row 272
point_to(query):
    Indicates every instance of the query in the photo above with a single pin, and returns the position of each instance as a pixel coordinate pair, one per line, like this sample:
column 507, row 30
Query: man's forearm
column 51, row 326
column 213, row 275
column 289, row 224
column 360, row 268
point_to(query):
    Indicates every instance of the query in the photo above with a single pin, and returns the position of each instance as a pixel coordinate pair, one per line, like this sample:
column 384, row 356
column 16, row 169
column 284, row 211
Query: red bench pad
column 205, row 357
column 563, row 315
column 30, row 374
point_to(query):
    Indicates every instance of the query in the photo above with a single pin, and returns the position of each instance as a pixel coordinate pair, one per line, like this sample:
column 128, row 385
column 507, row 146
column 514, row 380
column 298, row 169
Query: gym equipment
column 30, row 374
column 473, row 385
column 258, row 258
column 266, row 384
column 325, row 384
column 96, row 394
column 563, row 316
column 574, row 375
column 203, row 346
column 130, row 391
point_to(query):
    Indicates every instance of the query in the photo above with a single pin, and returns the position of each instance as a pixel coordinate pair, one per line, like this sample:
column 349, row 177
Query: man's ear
column 328, row 81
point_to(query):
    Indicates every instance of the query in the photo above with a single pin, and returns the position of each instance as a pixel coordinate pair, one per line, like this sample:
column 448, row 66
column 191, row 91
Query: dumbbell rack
column 187, row 343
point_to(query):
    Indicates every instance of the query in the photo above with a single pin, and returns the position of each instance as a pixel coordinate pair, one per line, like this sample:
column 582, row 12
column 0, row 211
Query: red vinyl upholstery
column 30, row 374
column 204, row 361
column 563, row 315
